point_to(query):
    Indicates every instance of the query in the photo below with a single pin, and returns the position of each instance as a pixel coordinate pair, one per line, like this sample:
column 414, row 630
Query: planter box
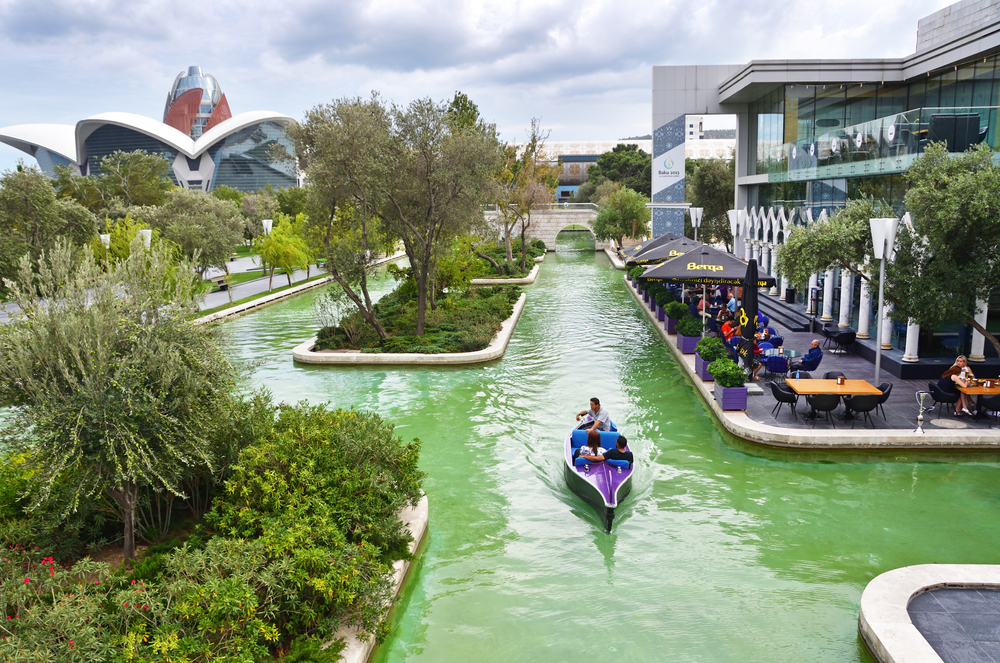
column 661, row 315
column 686, row 344
column 645, row 296
column 731, row 398
column 670, row 325
column 701, row 368
column 652, row 304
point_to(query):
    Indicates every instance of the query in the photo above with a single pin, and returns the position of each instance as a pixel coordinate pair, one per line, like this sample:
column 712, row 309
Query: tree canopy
column 206, row 228
column 627, row 165
column 113, row 388
column 623, row 213
column 133, row 178
column 712, row 186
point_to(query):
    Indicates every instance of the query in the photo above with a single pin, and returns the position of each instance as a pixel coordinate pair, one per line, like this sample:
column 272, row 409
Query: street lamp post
column 147, row 237
column 267, row 223
column 696, row 213
column 883, row 240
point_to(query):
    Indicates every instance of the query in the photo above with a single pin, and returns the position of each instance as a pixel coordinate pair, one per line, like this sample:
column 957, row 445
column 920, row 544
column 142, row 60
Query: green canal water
column 723, row 552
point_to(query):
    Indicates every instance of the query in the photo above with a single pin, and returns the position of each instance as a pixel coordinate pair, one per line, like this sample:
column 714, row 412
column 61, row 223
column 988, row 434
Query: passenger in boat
column 600, row 416
column 593, row 447
column 612, row 454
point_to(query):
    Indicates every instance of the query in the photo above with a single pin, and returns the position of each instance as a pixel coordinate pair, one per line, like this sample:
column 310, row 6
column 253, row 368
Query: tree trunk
column 988, row 336
column 506, row 244
column 421, row 277
column 288, row 275
column 270, row 280
column 524, row 252
column 126, row 500
column 229, row 286
column 490, row 260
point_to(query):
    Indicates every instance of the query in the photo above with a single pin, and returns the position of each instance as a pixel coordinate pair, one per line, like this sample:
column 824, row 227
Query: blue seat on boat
column 618, row 463
column 608, row 438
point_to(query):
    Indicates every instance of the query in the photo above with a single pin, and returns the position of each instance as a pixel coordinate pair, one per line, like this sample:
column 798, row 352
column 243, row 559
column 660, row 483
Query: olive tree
column 112, row 389
column 207, row 229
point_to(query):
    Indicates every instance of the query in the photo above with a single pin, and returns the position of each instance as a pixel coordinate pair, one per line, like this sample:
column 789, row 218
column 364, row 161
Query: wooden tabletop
column 979, row 390
column 849, row 388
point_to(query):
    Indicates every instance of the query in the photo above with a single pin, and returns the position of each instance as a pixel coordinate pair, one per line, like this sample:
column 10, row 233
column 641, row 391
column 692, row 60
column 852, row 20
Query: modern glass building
column 205, row 144
column 813, row 134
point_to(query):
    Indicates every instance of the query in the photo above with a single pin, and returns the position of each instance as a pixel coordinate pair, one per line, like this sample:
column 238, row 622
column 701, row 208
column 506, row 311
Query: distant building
column 205, row 144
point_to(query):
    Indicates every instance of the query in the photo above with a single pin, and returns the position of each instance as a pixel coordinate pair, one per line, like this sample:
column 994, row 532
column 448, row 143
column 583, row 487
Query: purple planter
column 670, row 325
column 661, row 315
column 731, row 398
column 701, row 368
column 645, row 296
column 687, row 344
column 652, row 304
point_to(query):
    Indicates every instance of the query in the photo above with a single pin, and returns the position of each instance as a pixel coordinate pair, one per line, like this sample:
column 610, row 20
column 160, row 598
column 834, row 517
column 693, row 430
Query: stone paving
column 900, row 409
column 962, row 625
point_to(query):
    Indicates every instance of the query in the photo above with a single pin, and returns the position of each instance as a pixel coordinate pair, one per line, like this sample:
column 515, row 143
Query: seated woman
column 593, row 447
column 958, row 376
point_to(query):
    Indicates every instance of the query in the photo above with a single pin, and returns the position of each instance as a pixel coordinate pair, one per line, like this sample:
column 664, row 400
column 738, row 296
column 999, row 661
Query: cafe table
column 777, row 352
column 981, row 391
column 849, row 388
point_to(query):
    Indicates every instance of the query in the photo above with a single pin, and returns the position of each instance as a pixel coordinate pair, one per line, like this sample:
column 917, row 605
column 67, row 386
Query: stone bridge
column 548, row 221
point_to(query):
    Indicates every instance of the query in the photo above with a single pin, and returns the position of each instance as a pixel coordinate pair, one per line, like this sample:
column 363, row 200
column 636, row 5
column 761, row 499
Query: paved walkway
column 962, row 625
column 900, row 409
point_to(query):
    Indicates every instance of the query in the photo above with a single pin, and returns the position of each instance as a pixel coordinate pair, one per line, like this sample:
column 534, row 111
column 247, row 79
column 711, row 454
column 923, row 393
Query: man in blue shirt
column 810, row 357
column 731, row 304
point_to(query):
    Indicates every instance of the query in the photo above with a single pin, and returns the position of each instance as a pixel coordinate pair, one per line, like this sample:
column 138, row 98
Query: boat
column 603, row 483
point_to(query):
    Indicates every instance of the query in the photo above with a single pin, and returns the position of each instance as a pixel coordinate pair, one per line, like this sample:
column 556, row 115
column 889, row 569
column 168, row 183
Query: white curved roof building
column 246, row 152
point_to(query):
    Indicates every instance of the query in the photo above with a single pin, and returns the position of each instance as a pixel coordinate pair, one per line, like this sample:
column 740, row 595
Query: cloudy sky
column 582, row 66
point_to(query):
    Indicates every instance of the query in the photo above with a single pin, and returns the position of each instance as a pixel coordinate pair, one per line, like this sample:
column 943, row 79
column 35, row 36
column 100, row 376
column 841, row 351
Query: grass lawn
column 244, row 251
column 258, row 296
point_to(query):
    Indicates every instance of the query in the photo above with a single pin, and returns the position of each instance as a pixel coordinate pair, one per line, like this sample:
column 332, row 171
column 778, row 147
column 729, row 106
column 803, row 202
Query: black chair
column 886, row 389
column 991, row 404
column 803, row 375
column 784, row 395
column 824, row 403
column 833, row 375
column 941, row 396
column 830, row 329
column 844, row 340
column 863, row 404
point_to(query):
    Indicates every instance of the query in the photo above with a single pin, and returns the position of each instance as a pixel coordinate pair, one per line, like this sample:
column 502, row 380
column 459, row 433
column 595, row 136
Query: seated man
column 613, row 454
column 600, row 416
column 810, row 357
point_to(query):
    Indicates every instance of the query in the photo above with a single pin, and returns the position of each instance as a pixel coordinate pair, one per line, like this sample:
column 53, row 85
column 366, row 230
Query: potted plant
column 653, row 290
column 675, row 311
column 663, row 297
column 688, row 333
column 708, row 350
column 729, row 381
column 634, row 274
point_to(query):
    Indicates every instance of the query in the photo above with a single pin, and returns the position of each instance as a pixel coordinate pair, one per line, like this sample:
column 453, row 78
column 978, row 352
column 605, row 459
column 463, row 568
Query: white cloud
column 584, row 67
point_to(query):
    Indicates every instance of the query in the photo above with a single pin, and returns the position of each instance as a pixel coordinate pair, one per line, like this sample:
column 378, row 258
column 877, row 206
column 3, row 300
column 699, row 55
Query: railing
column 556, row 207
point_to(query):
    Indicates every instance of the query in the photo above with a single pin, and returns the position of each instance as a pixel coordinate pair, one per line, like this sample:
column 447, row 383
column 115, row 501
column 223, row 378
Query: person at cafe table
column 811, row 357
column 958, row 376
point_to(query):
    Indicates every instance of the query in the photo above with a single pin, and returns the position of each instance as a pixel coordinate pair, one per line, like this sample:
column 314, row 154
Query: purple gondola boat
column 603, row 483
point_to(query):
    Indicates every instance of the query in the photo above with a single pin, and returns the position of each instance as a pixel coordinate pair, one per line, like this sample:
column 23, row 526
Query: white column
column 846, row 295
column 828, row 297
column 912, row 341
column 765, row 258
column 813, row 282
column 783, row 288
column 886, row 327
column 772, row 253
column 978, row 340
column 864, row 311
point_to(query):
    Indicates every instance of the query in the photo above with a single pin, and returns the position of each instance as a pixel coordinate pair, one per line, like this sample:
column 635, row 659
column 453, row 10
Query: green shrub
column 676, row 310
column 636, row 272
column 689, row 326
column 322, row 490
column 664, row 297
column 727, row 373
column 711, row 348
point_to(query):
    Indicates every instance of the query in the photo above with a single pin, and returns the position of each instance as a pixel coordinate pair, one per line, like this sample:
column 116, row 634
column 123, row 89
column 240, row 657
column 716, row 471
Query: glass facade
column 250, row 159
column 820, row 145
column 110, row 137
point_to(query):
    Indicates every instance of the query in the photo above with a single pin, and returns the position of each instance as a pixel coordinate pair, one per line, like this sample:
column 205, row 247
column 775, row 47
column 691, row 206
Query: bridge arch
column 547, row 221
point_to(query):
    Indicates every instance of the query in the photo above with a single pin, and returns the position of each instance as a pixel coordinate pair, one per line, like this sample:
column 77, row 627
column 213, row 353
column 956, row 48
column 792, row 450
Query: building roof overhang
column 57, row 138
column 71, row 142
column 760, row 77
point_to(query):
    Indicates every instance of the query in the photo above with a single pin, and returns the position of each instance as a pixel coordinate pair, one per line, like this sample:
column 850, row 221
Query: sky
column 583, row 67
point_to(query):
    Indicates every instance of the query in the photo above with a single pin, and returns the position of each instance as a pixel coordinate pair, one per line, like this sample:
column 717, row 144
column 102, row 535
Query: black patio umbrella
column 663, row 252
column 707, row 266
column 747, row 315
column 636, row 249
